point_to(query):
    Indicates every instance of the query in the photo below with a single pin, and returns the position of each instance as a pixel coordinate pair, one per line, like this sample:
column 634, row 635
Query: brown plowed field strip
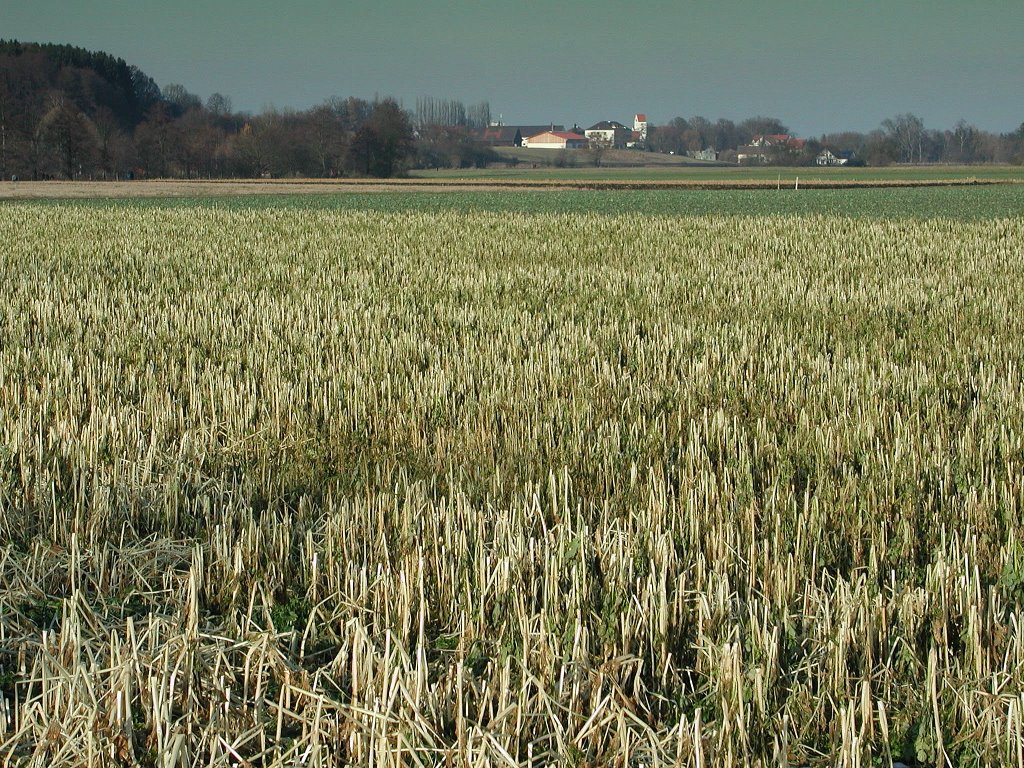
column 127, row 189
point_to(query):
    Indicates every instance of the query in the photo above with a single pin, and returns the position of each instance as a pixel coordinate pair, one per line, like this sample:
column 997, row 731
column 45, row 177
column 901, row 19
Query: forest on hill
column 66, row 112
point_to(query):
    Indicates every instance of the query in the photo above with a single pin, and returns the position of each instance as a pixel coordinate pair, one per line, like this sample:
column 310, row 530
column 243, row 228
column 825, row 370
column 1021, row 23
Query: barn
column 556, row 140
column 511, row 135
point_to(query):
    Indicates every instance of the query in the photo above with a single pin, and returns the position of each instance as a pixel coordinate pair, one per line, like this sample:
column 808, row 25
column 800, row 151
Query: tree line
column 67, row 112
column 899, row 139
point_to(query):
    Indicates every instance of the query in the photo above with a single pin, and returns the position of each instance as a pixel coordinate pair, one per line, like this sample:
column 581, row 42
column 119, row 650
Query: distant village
column 764, row 149
column 607, row 133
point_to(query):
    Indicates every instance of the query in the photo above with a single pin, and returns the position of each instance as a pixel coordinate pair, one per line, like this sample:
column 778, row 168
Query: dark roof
column 608, row 125
column 499, row 133
column 508, row 134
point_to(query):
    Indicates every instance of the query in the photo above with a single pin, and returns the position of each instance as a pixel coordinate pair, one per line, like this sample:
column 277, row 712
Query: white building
column 609, row 133
column 828, row 157
column 640, row 127
column 708, row 153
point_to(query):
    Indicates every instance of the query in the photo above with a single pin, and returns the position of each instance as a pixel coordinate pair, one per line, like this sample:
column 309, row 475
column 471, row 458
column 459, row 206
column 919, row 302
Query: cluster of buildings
column 768, row 149
column 611, row 134
column 764, row 149
column 607, row 133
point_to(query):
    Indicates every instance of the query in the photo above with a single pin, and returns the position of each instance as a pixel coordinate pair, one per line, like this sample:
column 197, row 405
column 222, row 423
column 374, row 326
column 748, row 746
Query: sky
column 818, row 65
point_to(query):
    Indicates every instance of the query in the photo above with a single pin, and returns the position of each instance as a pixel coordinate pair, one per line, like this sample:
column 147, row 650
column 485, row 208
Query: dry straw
column 313, row 488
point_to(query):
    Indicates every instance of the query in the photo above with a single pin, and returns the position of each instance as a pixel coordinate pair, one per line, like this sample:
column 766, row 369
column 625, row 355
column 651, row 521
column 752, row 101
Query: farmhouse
column 610, row 133
column 751, row 153
column 512, row 135
column 828, row 157
column 556, row 140
column 767, row 149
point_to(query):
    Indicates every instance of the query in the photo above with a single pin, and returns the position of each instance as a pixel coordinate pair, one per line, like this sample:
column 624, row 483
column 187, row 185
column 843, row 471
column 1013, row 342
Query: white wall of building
column 602, row 137
column 640, row 126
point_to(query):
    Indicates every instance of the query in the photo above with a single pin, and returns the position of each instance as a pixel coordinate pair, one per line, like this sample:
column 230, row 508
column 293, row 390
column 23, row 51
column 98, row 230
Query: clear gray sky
column 819, row 65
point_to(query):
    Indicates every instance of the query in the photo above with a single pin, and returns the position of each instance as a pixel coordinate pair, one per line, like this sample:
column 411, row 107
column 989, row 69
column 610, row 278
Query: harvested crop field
column 577, row 179
column 308, row 486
